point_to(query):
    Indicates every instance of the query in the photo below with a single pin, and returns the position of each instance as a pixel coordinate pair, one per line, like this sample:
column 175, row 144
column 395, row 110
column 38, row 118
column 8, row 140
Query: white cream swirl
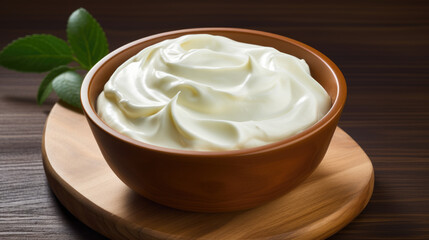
column 205, row 92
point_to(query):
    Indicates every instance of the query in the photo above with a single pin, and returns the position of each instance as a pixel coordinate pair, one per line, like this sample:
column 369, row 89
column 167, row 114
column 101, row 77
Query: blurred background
column 382, row 47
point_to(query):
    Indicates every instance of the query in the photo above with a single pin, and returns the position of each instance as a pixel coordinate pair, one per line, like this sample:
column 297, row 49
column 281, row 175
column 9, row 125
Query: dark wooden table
column 382, row 47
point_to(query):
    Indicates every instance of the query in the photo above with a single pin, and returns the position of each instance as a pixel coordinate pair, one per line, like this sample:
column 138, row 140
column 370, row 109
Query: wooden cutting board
column 328, row 200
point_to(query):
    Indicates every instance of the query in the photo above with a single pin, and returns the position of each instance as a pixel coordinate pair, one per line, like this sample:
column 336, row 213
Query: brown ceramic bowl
column 222, row 180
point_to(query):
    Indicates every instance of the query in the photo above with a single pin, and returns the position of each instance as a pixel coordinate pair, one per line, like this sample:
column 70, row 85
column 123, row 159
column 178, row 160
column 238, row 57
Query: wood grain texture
column 381, row 46
column 81, row 179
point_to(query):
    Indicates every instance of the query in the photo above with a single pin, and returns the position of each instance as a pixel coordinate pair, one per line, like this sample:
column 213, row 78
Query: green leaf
column 36, row 53
column 45, row 87
column 86, row 38
column 67, row 86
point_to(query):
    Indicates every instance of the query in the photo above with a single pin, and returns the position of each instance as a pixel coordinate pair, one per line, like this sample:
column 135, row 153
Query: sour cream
column 203, row 92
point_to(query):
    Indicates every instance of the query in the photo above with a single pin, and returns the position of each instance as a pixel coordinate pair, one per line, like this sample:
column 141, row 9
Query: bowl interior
column 322, row 69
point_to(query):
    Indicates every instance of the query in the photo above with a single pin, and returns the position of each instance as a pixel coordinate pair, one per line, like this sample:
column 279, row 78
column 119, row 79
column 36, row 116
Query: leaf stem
column 80, row 64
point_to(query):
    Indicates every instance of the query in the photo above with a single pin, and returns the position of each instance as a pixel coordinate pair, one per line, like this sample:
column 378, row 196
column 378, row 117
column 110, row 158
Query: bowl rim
column 334, row 111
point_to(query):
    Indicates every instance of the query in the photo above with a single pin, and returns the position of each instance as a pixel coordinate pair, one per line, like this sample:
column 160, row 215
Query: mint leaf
column 86, row 38
column 67, row 86
column 36, row 53
column 45, row 87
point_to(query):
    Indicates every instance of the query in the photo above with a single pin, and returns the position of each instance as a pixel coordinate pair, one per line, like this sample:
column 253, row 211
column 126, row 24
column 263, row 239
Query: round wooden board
column 328, row 200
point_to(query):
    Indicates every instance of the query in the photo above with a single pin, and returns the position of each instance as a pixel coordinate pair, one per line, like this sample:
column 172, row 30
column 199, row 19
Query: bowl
column 216, row 181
